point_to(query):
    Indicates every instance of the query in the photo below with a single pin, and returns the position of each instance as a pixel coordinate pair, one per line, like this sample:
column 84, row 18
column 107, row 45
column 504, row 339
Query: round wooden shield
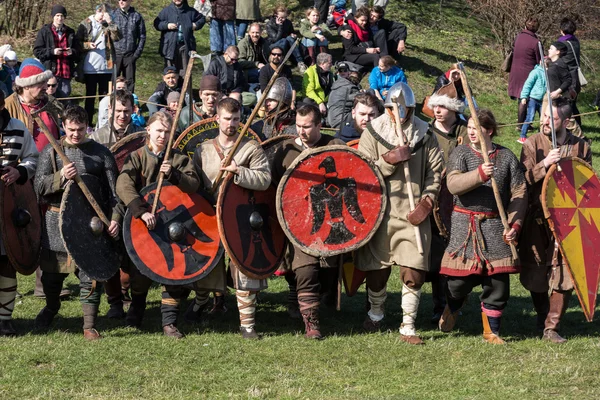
column 98, row 255
column 184, row 246
column 331, row 200
column 128, row 144
column 21, row 226
column 571, row 202
column 353, row 143
column 249, row 229
column 202, row 131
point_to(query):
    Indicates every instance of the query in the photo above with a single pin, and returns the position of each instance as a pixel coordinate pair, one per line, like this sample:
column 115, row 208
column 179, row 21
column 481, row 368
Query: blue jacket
column 535, row 85
column 384, row 81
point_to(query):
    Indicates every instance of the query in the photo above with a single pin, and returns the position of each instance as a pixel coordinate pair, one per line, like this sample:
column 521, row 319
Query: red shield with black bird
column 331, row 201
column 184, row 246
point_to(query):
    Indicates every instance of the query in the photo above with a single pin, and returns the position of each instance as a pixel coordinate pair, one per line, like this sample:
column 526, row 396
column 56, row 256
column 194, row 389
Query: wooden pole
column 161, row 176
column 484, row 152
column 65, row 160
column 251, row 118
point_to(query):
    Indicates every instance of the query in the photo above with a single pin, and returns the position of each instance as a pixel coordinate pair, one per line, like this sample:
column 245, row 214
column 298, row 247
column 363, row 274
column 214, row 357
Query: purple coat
column 525, row 57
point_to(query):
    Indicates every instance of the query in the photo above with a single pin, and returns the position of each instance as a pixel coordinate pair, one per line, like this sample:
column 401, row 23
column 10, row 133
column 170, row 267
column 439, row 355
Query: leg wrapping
column 8, row 293
column 246, row 302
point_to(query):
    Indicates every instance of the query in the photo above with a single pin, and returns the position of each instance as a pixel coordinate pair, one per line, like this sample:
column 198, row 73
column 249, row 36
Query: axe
column 484, row 153
column 65, row 160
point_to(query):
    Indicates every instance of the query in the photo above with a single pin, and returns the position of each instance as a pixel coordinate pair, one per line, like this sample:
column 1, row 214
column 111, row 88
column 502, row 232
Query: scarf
column 363, row 34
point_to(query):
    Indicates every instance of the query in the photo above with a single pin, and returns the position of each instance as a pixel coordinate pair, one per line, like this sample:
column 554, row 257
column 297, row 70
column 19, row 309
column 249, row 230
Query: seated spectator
column 393, row 33
column 120, row 84
column 359, row 44
column 172, row 103
column 253, row 53
column 210, row 95
column 366, row 108
column 337, row 13
column 137, row 118
column 317, row 82
column 281, row 33
column 229, row 72
column 122, row 122
column 343, row 91
column 172, row 82
column 266, row 72
column 385, row 75
column 314, row 35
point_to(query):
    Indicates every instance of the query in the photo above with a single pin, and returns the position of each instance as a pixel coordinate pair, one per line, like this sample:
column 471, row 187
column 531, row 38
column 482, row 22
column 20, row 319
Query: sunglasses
column 53, row 85
column 277, row 54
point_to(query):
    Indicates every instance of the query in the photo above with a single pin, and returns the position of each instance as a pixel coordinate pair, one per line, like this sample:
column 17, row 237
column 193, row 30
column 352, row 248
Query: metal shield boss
column 127, row 145
column 85, row 237
column 202, row 131
column 21, row 226
column 184, row 246
column 250, row 230
column 571, row 202
column 331, row 201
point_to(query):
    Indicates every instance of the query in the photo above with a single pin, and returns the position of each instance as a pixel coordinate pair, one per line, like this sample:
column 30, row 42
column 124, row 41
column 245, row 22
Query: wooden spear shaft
column 237, row 143
column 484, row 153
column 161, row 176
column 65, row 160
column 411, row 195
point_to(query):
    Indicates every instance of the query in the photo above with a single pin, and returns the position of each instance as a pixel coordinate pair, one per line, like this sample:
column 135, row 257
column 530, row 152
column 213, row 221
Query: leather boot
column 559, row 301
column 172, row 331
column 323, row 49
column 541, row 304
column 491, row 335
column 44, row 319
column 311, row 324
column 90, row 313
column 219, row 306
column 312, row 56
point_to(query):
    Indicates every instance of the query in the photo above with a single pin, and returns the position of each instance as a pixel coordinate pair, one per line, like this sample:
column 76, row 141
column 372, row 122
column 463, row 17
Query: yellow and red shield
column 571, row 201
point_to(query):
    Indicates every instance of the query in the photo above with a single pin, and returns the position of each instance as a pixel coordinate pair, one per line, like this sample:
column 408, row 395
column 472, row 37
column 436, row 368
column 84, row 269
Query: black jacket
column 353, row 47
column 559, row 76
column 184, row 17
column 277, row 32
column 266, row 72
column 395, row 31
column 571, row 61
column 43, row 48
column 133, row 33
column 160, row 95
column 231, row 76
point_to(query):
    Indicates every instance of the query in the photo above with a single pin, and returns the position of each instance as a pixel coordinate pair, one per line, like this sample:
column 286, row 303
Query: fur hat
column 32, row 72
column 447, row 97
column 58, row 9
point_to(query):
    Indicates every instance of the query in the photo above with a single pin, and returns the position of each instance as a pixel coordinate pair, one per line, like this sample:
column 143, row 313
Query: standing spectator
column 559, row 76
column 343, row 91
column 51, row 93
column 385, row 75
column 97, row 33
column 246, row 12
column 11, row 65
column 172, row 82
column 281, row 33
column 177, row 23
column 357, row 38
column 222, row 29
column 229, row 72
column 572, row 58
column 133, row 38
column 57, row 47
column 393, row 33
column 253, row 53
column 357, row 4
column 315, row 35
column 317, row 82
column 525, row 57
column 532, row 94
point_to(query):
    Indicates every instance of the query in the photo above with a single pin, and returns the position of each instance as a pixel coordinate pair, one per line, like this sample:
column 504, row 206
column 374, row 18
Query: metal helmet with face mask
column 402, row 95
column 281, row 91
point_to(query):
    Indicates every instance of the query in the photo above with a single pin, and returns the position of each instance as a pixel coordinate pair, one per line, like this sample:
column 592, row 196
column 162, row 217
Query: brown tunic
column 536, row 243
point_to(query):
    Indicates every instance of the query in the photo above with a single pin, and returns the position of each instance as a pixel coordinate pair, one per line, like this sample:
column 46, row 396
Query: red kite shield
column 331, row 200
column 571, row 201
column 249, row 229
column 127, row 145
column 184, row 246
column 21, row 226
column 202, row 131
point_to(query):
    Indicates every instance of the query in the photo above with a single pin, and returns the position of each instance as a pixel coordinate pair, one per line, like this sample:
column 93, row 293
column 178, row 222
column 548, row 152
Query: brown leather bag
column 421, row 211
column 397, row 155
column 426, row 110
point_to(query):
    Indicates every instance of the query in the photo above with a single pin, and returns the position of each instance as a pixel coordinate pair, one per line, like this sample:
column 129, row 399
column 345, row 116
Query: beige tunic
column 394, row 242
column 254, row 174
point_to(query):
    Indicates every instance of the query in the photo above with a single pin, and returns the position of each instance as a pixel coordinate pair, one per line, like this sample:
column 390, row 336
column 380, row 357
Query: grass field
column 214, row 362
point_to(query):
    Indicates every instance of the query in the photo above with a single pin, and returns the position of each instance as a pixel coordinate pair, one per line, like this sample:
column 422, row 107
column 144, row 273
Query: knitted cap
column 172, row 97
column 58, row 9
column 32, row 72
column 210, row 82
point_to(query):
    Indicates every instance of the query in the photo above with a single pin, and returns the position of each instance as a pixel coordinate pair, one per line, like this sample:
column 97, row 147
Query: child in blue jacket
column 532, row 94
column 385, row 75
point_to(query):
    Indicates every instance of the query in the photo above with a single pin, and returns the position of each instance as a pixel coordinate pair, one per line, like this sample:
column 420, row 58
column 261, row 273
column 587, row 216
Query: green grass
column 214, row 362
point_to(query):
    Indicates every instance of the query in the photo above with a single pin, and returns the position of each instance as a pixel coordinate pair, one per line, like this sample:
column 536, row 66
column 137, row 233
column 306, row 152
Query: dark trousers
column 369, row 61
column 126, row 68
column 380, row 40
column 496, row 290
column 323, row 7
column 94, row 84
column 53, row 283
column 181, row 59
